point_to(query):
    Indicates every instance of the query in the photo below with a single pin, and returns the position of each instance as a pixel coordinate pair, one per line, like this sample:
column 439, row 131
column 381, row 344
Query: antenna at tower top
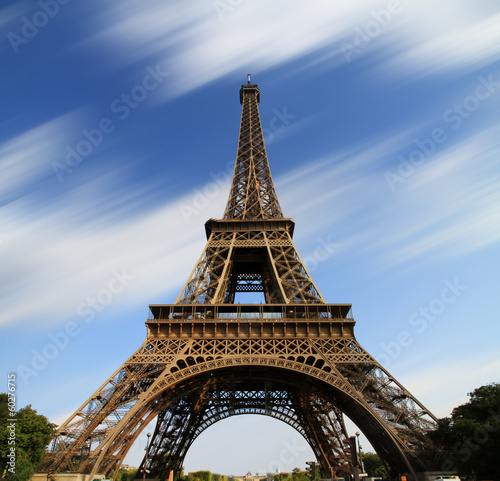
column 248, row 77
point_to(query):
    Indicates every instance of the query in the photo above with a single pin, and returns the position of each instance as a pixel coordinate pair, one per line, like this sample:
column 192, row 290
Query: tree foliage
column 28, row 436
column 219, row 477
column 373, row 465
column 299, row 475
column 24, row 468
column 283, row 477
column 125, row 474
column 200, row 476
column 471, row 436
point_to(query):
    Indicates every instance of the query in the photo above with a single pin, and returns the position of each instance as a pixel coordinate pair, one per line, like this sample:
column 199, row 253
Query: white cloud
column 449, row 206
column 199, row 47
column 202, row 42
column 198, row 43
column 446, row 45
column 456, row 378
column 62, row 253
column 27, row 157
column 66, row 250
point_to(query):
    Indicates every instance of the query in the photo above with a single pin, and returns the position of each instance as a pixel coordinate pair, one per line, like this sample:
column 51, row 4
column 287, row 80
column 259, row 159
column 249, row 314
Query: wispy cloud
column 457, row 377
column 26, row 158
column 69, row 246
column 62, row 252
column 201, row 47
column 449, row 207
column 203, row 43
column 451, row 46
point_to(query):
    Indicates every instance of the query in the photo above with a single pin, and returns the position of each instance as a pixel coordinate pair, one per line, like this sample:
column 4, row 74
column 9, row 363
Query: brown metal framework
column 252, row 193
column 250, row 256
column 206, row 358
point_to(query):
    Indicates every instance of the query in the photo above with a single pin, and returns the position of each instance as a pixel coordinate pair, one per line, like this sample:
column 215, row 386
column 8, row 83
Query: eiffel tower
column 206, row 358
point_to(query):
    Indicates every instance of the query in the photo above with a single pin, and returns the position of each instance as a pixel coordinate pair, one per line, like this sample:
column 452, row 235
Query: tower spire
column 252, row 194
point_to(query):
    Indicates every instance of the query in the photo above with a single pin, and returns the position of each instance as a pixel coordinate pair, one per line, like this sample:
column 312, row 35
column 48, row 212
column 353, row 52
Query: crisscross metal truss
column 252, row 193
column 190, row 384
column 265, row 260
column 178, row 426
column 206, row 357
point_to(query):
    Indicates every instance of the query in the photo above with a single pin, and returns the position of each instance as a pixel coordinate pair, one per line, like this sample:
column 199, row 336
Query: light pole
column 146, row 459
column 359, row 450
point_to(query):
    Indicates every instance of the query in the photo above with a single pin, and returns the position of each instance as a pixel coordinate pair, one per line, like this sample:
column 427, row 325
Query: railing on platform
column 249, row 311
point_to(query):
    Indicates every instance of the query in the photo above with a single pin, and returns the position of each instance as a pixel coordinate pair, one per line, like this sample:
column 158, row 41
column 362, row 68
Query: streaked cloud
column 457, row 376
column 205, row 43
column 27, row 157
column 447, row 47
column 414, row 224
column 38, row 239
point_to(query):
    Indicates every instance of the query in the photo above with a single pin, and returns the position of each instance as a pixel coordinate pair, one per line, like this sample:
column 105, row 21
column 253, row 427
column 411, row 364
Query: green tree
column 31, row 433
column 374, row 465
column 126, row 474
column 24, row 468
column 283, row 477
column 219, row 477
column 180, row 476
column 471, row 436
column 34, row 433
column 200, row 476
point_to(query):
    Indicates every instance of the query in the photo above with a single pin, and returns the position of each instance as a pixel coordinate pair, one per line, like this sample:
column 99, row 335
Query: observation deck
column 210, row 321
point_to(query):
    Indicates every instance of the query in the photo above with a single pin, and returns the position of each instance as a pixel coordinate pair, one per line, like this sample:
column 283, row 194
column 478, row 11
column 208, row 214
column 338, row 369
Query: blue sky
column 119, row 125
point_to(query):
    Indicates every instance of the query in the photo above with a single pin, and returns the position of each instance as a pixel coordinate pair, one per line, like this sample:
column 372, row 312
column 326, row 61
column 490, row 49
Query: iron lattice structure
column 206, row 358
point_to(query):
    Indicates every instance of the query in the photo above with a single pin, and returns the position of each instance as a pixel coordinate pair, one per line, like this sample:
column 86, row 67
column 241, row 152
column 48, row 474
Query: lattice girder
column 209, row 277
column 252, row 194
column 394, row 403
column 81, row 438
column 299, row 408
column 151, row 387
column 271, row 255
